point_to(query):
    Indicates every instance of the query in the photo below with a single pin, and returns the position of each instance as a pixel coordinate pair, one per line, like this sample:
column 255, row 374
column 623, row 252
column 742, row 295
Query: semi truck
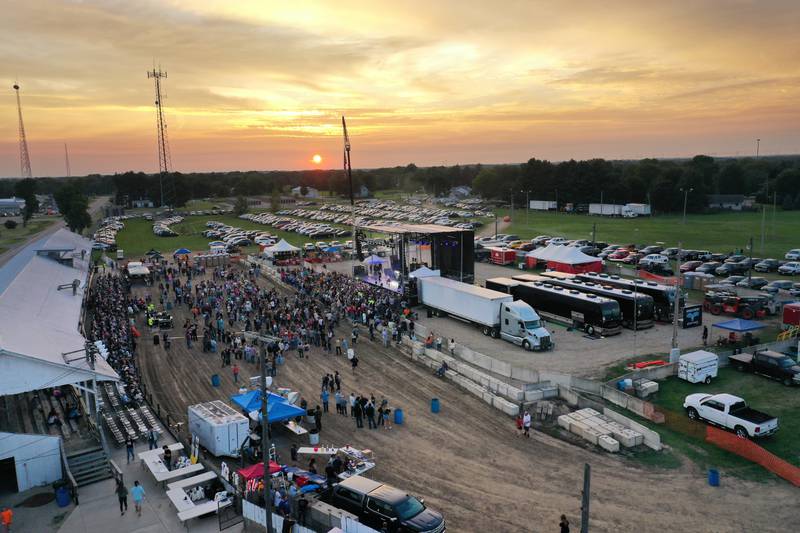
column 594, row 314
column 496, row 313
column 637, row 308
column 543, row 205
column 619, row 210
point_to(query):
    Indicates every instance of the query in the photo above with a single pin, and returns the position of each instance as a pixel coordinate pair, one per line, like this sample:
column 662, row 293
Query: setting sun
column 317, row 159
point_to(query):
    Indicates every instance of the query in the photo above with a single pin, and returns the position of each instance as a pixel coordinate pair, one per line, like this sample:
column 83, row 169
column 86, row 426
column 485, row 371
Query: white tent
column 282, row 247
column 424, row 272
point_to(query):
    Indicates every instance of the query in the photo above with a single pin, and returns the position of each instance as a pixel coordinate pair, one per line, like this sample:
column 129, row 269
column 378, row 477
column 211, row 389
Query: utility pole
column 512, row 204
column 66, row 160
column 164, row 162
column 685, row 201
column 774, row 208
column 750, row 264
column 677, row 306
column 601, row 203
column 766, row 199
column 265, row 437
column 594, row 234
column 24, row 155
column 585, row 497
column 495, row 223
column 527, row 206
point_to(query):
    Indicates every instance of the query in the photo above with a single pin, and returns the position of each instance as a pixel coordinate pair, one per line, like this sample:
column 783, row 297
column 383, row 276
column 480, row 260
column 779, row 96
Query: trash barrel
column 435, row 405
column 313, row 437
column 398, row 417
column 169, row 305
column 215, row 380
column 713, row 477
column 62, row 496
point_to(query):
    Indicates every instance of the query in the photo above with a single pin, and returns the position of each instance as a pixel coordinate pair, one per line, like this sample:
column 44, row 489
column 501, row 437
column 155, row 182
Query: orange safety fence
column 753, row 452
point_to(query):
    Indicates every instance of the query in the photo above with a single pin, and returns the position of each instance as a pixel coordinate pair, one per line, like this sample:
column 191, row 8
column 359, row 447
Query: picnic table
column 317, row 450
column 154, row 462
column 295, row 428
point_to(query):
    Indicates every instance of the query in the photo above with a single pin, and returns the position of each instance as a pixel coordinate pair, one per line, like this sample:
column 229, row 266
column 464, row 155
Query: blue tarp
column 740, row 325
column 277, row 406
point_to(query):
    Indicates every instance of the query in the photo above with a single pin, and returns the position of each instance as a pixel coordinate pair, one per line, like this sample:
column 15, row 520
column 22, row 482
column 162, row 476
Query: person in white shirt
column 526, row 424
column 451, row 345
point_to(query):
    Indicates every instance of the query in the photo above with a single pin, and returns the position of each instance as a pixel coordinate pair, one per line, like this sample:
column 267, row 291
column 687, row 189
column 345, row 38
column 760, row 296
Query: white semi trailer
column 496, row 313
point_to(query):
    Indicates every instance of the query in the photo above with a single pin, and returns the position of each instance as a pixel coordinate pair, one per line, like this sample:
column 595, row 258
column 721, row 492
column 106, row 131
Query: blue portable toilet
column 435, row 405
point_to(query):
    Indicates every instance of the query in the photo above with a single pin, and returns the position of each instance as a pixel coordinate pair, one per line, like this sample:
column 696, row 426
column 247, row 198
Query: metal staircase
column 89, row 466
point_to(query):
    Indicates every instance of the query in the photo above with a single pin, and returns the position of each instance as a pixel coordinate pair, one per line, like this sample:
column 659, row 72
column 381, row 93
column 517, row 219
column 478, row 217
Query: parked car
column 557, row 241
column 731, row 412
column 590, row 250
column 539, row 240
column 618, row 255
column 729, row 268
column 777, row 285
column 735, row 258
column 633, row 258
column 708, row 268
column 654, row 260
column 767, row 265
column 647, row 250
column 717, row 257
column 374, row 502
column 793, row 254
column 732, row 280
column 752, row 283
column 672, row 253
column 768, row 363
column 790, row 269
column 690, row 266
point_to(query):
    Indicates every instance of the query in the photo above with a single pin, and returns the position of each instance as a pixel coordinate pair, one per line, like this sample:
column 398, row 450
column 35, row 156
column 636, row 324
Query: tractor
column 728, row 302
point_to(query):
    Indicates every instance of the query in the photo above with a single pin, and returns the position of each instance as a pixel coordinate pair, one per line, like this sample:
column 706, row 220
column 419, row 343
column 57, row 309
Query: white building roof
column 39, row 322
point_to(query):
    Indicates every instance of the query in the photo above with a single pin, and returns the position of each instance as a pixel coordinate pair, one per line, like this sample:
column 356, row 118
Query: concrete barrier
column 651, row 439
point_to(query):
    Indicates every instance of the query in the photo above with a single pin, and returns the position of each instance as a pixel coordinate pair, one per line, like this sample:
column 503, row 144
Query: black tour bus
column 663, row 295
column 594, row 314
column 637, row 308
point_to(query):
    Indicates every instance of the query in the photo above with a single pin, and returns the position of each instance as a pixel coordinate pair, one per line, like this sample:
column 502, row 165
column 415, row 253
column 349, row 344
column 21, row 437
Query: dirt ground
column 467, row 461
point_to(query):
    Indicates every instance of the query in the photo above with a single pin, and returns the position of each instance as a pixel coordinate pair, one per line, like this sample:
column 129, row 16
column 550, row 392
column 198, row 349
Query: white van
column 698, row 367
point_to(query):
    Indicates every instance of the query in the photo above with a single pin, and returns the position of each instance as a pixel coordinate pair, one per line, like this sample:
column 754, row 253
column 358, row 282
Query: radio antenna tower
column 66, row 160
column 164, row 162
column 24, row 155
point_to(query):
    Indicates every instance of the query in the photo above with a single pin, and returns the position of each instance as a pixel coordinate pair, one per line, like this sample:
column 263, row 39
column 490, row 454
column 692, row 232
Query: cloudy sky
column 257, row 84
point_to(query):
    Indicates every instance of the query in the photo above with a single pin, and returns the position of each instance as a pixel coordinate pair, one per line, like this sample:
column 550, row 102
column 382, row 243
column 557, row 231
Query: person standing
column 7, row 518
column 129, row 449
column 236, row 372
column 352, row 404
column 324, row 396
column 371, row 416
column 451, row 345
column 359, row 414
column 302, row 508
column 167, row 457
column 138, row 496
column 526, row 424
column 563, row 524
column 152, row 438
column 705, row 336
column 337, row 380
column 339, row 346
column 318, row 419
column 122, row 495
column 385, row 337
column 293, row 452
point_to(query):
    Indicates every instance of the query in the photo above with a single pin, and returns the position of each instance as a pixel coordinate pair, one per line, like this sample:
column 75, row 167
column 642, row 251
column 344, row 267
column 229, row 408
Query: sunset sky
column 257, row 84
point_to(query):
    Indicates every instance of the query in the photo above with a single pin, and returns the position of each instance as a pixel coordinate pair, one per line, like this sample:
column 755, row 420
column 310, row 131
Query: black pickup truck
column 378, row 505
column 768, row 363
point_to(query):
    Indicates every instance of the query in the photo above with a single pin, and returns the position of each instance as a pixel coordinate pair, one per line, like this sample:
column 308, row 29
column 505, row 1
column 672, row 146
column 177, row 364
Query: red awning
column 257, row 470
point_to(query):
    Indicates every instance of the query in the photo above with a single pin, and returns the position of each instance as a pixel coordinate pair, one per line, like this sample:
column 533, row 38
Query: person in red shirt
column 235, row 372
column 6, row 518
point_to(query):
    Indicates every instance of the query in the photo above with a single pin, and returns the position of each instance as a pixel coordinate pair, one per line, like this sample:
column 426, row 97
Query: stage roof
column 427, row 229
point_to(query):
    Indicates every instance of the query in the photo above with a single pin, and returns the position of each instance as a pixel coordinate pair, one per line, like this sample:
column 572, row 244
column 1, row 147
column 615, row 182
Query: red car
column 619, row 255
column 633, row 258
column 690, row 266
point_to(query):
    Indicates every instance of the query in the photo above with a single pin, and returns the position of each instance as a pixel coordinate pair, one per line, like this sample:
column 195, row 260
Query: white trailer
column 609, row 210
column 640, row 210
column 221, row 429
column 543, row 205
column 698, row 367
column 496, row 313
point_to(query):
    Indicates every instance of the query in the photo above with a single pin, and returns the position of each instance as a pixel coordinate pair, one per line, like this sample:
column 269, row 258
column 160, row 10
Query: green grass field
column 761, row 393
column 12, row 237
column 137, row 237
column 722, row 232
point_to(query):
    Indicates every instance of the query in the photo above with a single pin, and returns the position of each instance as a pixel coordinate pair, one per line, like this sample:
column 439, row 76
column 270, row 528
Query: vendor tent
column 424, row 272
column 256, row 471
column 739, row 325
column 278, row 411
column 564, row 259
column 282, row 248
column 251, row 400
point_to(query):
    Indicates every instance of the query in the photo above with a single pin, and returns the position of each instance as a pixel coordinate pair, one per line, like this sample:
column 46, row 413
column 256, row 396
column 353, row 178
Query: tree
column 303, row 191
column 74, row 205
column 486, row 183
column 26, row 189
column 11, row 224
column 240, row 206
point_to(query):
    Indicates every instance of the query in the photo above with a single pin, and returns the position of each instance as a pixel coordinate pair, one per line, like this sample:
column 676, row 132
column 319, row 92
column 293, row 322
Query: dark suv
column 375, row 503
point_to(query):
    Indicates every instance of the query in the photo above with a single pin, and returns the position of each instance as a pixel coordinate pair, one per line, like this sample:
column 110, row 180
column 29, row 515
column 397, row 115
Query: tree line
column 658, row 182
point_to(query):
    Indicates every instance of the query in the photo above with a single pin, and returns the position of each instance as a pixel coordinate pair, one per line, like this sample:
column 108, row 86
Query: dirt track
column 468, row 462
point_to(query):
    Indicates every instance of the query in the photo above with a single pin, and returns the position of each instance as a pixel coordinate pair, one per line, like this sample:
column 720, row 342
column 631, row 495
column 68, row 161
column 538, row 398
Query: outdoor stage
column 410, row 246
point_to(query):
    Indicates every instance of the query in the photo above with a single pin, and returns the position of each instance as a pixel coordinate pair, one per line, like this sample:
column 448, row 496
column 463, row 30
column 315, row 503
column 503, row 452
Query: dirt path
column 488, row 229
column 467, row 460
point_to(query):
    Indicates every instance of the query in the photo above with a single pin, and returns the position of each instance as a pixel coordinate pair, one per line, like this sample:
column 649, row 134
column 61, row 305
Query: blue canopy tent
column 251, row 400
column 740, row 325
column 332, row 249
column 280, row 411
column 182, row 251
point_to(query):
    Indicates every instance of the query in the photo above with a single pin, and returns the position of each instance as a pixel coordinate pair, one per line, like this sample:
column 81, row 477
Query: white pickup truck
column 731, row 412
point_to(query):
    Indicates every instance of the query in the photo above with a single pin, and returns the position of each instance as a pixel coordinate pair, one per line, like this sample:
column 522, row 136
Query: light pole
column 527, row 205
column 265, row 437
column 685, row 200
